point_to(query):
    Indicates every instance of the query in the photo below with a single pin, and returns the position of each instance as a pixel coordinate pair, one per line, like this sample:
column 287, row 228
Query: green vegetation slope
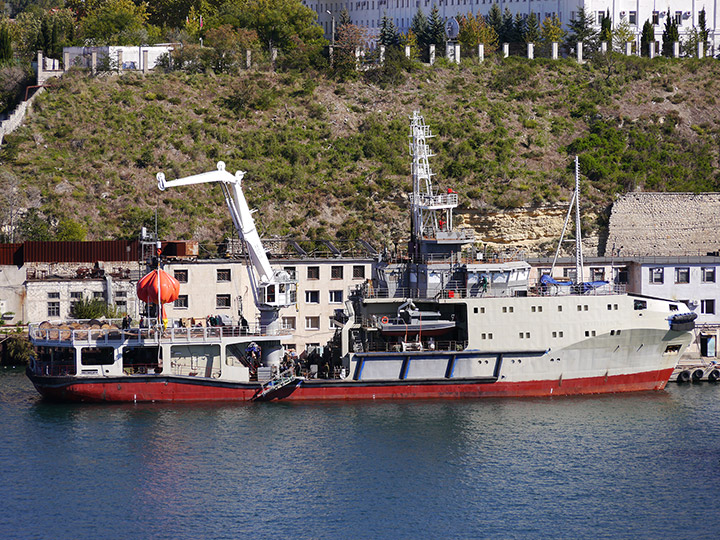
column 329, row 159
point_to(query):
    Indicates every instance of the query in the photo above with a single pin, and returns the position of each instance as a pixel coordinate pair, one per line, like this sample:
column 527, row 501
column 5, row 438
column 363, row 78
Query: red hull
column 169, row 389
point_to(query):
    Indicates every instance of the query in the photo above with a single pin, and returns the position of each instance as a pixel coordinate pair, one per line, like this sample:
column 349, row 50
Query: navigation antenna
column 574, row 202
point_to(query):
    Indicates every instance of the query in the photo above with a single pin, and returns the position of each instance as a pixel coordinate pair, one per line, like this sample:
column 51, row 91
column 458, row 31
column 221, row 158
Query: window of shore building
column 223, row 274
column 181, row 275
column 312, row 323
column 597, row 274
column 336, row 272
column 121, row 294
column 678, row 18
column 54, row 295
column 708, row 274
column 336, row 297
column 707, row 306
column 98, row 294
column 312, row 297
column 682, row 275
column 76, row 295
column 656, row 17
column 657, row 275
column 181, row 302
column 288, row 323
column 313, row 272
column 600, row 15
column 121, row 305
column 222, row 301
column 633, row 17
column 53, row 309
column 358, row 272
column 291, row 271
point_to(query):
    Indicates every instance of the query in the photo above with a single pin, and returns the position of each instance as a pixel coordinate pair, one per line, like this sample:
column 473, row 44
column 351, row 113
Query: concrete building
column 222, row 287
column 369, row 13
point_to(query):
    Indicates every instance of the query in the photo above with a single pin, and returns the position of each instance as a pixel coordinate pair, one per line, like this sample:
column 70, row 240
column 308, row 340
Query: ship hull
column 159, row 388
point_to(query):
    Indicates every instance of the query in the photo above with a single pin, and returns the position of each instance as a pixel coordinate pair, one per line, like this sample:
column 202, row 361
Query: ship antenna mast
column 574, row 203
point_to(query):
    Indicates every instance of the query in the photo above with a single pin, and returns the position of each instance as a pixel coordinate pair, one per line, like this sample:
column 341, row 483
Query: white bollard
column 432, row 54
column 382, row 54
column 457, row 53
column 481, row 52
column 506, row 50
column 578, row 52
column 531, row 51
column 628, row 48
column 676, row 49
column 555, row 48
column 700, row 49
column 652, row 49
column 603, row 47
column 407, row 51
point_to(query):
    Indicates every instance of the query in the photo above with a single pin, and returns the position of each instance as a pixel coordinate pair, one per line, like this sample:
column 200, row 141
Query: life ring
column 384, row 320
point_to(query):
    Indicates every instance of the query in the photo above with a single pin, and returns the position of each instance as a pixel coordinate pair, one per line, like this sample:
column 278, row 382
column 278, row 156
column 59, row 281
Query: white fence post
column 481, row 52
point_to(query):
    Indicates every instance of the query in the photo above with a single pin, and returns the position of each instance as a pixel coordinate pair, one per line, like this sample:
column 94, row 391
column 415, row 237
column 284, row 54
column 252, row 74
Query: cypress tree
column 507, row 28
column 669, row 36
column 703, row 32
column 344, row 17
column 647, row 37
column 606, row 28
column 6, row 53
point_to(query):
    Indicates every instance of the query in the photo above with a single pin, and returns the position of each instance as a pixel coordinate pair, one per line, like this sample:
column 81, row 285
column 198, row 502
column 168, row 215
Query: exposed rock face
column 665, row 224
column 533, row 230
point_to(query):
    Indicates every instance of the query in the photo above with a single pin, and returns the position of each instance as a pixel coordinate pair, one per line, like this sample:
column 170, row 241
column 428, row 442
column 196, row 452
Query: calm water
column 636, row 466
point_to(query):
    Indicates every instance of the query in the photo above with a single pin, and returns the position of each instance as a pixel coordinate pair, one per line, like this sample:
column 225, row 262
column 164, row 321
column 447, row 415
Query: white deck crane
column 272, row 289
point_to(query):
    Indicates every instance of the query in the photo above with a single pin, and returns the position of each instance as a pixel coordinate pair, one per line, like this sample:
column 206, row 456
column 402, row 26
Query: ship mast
column 432, row 212
column 574, row 204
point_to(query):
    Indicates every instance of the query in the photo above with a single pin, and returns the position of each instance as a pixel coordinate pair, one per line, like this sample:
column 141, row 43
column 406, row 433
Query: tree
column 279, row 23
column 92, row 308
column 623, row 34
column 703, row 32
column 350, row 37
column 581, row 29
column 647, row 37
column 552, row 31
column 487, row 36
column 532, row 29
column 606, row 28
column 70, row 230
column 494, row 19
column 344, row 17
column 115, row 22
column 670, row 35
column 34, row 227
column 469, row 35
column 6, row 53
column 419, row 27
column 507, row 28
column 389, row 36
column 436, row 28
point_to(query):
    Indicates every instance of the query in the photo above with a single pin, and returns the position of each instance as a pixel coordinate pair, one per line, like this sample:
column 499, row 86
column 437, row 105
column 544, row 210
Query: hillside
column 329, row 159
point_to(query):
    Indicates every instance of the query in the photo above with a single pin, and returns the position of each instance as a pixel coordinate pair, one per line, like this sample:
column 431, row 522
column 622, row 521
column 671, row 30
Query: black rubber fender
column 683, row 376
column 697, row 375
column 713, row 376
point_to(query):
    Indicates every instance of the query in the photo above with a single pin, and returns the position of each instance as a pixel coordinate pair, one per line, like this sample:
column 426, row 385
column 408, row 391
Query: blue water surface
column 619, row 466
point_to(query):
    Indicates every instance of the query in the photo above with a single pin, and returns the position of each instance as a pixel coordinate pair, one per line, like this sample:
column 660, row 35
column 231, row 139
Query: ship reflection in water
column 580, row 467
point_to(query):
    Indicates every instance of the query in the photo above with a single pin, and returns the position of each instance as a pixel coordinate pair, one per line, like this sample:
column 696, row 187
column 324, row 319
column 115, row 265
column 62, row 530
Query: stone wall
column 17, row 116
column 664, row 224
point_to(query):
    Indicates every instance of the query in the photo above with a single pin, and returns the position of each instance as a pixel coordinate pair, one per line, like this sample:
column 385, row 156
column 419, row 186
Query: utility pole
column 332, row 35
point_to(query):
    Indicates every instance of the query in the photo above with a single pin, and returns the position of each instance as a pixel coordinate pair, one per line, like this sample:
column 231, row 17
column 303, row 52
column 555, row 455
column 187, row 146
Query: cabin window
column 708, row 274
column 358, row 272
column 585, row 307
column 223, row 274
column 554, row 334
column 673, row 307
column 707, row 306
column 336, row 297
column 671, row 350
column 657, row 275
column 313, row 272
column 312, row 297
column 560, row 334
column 559, row 308
column 181, row 275
column 682, row 275
column 222, row 301
column 640, row 304
column 94, row 356
column 181, row 302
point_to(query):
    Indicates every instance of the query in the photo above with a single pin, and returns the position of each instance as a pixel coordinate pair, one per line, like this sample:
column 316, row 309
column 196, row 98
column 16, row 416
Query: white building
column 369, row 13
